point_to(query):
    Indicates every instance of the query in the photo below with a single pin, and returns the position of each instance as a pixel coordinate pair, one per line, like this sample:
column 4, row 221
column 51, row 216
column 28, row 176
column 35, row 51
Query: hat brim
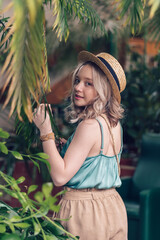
column 85, row 56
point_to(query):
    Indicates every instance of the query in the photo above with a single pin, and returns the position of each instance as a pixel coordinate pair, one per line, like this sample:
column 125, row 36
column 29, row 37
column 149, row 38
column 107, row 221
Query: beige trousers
column 94, row 214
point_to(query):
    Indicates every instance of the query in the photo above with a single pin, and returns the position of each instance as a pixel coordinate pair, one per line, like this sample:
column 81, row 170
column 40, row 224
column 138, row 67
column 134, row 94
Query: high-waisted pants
column 94, row 214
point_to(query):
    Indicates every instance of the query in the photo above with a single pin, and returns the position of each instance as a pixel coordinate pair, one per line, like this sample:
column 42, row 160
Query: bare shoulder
column 88, row 124
column 87, row 128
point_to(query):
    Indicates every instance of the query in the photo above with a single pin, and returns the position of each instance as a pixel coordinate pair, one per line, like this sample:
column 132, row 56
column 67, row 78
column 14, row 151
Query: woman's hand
column 42, row 120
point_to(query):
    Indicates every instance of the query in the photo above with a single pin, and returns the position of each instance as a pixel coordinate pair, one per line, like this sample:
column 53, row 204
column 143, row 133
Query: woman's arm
column 63, row 169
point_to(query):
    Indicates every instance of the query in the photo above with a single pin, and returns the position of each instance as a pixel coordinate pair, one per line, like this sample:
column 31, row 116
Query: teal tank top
column 100, row 171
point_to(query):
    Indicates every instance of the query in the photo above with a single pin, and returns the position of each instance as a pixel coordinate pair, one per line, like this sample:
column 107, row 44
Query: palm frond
column 26, row 63
column 5, row 24
column 81, row 9
column 133, row 10
column 153, row 27
column 155, row 4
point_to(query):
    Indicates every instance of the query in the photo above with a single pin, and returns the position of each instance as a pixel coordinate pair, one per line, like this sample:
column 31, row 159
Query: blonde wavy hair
column 105, row 102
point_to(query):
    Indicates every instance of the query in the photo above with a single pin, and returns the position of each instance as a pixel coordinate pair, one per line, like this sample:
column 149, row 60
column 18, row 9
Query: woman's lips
column 78, row 96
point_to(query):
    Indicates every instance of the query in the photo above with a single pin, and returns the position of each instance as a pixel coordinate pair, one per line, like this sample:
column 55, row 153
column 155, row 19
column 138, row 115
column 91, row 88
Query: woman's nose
column 79, row 86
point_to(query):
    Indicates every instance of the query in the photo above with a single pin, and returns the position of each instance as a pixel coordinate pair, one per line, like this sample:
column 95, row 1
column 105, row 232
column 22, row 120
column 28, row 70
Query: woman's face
column 84, row 91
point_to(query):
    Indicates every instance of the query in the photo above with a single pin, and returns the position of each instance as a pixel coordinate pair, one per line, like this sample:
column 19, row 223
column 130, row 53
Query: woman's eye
column 89, row 84
column 76, row 81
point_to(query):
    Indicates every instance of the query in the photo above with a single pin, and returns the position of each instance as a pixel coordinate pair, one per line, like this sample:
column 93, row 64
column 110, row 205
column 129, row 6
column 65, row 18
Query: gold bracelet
column 47, row 137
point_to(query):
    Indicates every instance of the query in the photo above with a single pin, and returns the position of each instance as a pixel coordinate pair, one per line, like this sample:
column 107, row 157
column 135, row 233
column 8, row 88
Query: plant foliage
column 134, row 12
column 141, row 99
column 153, row 27
column 42, row 157
column 30, row 221
column 76, row 9
column 26, row 64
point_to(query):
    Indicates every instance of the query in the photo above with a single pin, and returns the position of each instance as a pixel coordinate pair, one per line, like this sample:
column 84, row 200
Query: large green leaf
column 3, row 148
column 39, row 197
column 22, row 225
column 4, row 134
column 2, row 228
column 42, row 155
column 47, row 189
column 25, row 67
column 37, row 228
column 17, row 155
column 10, row 236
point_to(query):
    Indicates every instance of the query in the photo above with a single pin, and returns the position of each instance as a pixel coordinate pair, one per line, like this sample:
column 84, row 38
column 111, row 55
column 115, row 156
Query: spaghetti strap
column 109, row 127
column 102, row 137
column 121, row 136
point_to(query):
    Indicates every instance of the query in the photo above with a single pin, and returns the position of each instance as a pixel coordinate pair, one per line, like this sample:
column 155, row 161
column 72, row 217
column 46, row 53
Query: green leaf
column 7, row 211
column 37, row 228
column 39, row 196
column 15, row 186
column 42, row 211
column 22, row 225
column 10, row 236
column 42, row 160
column 26, row 65
column 11, row 226
column 155, row 4
column 32, row 188
column 4, row 134
column 17, row 155
column 16, row 218
column 51, row 237
column 20, row 180
column 2, row 228
column 36, row 164
column 3, row 148
column 47, row 189
column 43, row 155
column 11, row 193
column 134, row 11
column 55, row 208
column 153, row 27
column 81, row 9
column 53, row 227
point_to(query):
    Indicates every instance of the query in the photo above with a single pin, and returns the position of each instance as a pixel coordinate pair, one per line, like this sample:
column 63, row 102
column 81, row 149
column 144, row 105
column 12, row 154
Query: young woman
column 88, row 166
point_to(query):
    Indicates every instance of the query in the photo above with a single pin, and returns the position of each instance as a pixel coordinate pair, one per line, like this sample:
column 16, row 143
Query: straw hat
column 111, row 68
